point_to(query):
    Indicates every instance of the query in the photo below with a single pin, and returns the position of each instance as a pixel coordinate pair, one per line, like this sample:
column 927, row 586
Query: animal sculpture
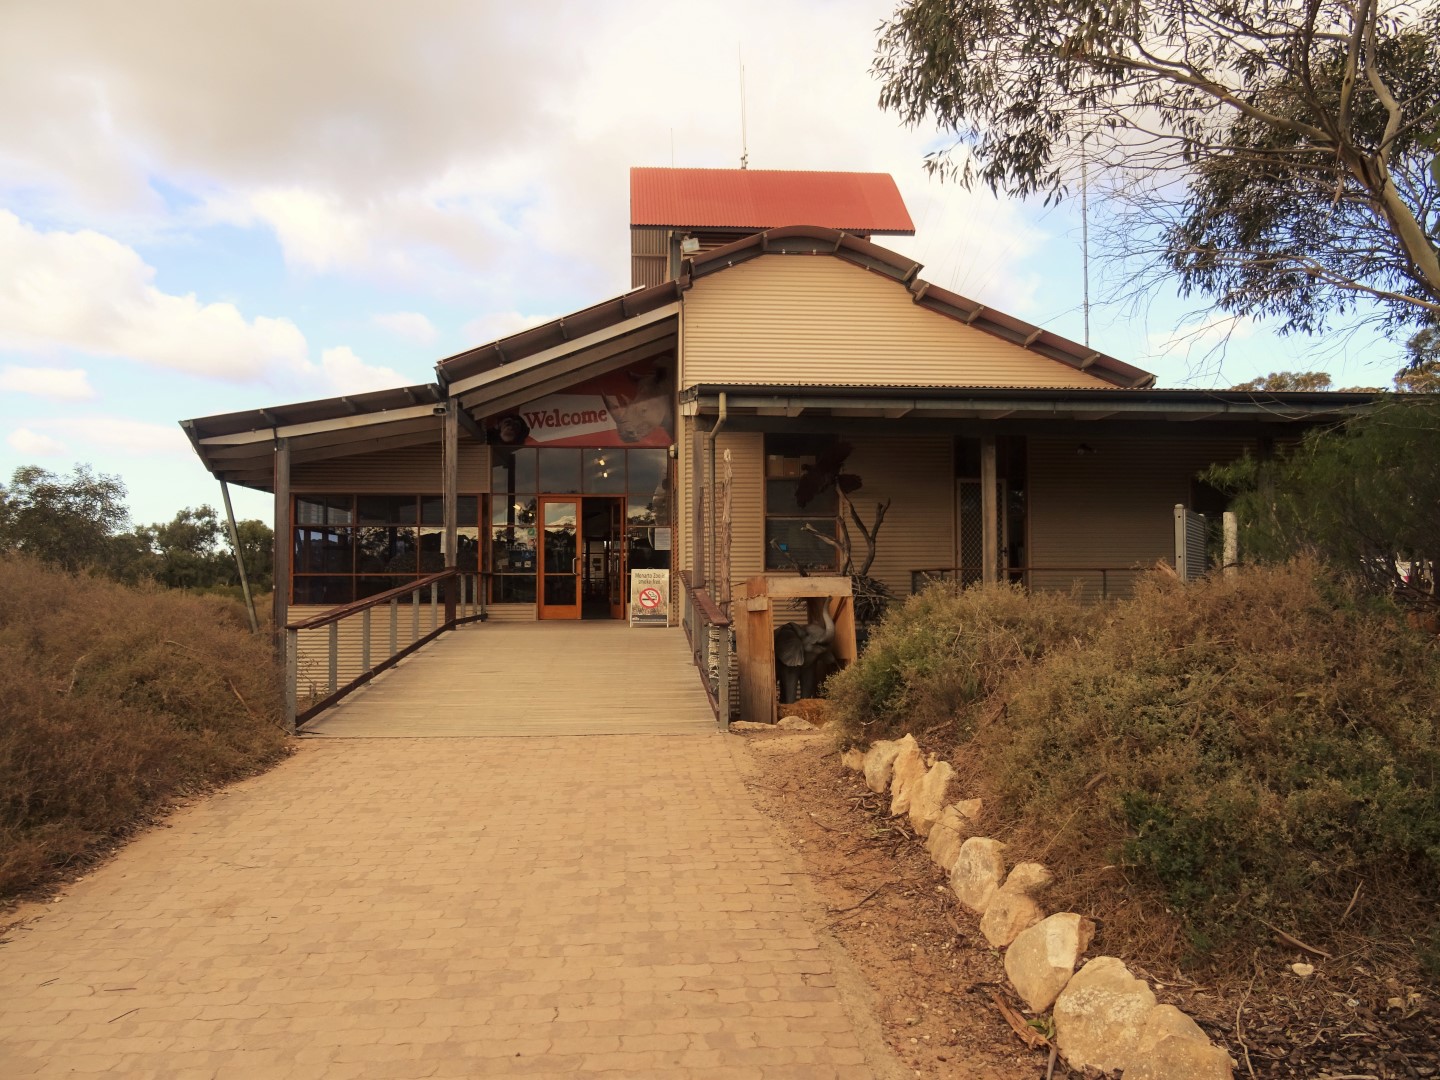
column 647, row 407
column 802, row 650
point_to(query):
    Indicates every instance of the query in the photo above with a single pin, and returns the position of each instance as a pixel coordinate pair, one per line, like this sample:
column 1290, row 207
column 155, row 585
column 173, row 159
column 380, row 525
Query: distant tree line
column 81, row 522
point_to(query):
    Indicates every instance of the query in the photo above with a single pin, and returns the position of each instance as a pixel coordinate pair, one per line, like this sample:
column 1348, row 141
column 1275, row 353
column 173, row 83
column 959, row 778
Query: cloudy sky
column 212, row 206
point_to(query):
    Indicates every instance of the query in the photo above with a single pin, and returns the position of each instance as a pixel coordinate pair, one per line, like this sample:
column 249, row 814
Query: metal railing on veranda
column 1090, row 582
column 712, row 647
column 333, row 653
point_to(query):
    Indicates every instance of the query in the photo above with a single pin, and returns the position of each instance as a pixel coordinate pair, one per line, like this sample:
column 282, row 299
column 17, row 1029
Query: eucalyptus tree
column 1275, row 156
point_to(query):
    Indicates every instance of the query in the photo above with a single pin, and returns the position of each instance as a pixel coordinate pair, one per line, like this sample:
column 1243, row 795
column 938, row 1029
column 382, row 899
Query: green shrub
column 941, row 652
column 114, row 700
column 1242, row 749
column 1195, row 761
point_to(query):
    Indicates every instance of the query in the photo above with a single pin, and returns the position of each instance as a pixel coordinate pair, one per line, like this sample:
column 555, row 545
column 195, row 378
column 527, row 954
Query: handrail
column 357, row 606
column 706, row 603
column 462, row 603
column 711, row 648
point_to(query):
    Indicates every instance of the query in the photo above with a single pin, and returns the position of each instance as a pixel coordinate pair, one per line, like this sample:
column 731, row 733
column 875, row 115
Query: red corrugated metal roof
column 867, row 203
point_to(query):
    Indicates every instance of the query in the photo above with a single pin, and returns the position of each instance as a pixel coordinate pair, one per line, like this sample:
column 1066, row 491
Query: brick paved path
column 453, row 907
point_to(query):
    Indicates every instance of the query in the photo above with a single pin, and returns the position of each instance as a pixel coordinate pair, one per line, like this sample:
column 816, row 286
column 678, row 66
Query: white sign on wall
column 650, row 598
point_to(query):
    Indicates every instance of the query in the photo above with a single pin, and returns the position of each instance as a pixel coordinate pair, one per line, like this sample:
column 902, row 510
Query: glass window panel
column 432, row 510
column 467, row 510
column 432, row 554
column 385, row 509
column 605, row 471
column 801, row 547
column 330, row 591
column 780, row 499
column 512, row 549
column 560, row 589
column 375, row 585
column 640, row 512
column 641, row 553
column 513, row 509
column 310, row 510
column 389, row 550
column 467, row 548
column 512, row 589
column 320, row 551
column 559, row 471
column 512, row 470
column 340, row 510
column 650, row 484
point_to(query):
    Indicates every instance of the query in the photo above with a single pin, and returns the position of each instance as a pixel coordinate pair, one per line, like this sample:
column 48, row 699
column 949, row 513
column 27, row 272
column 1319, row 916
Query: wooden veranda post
column 284, row 542
column 450, row 462
column 989, row 512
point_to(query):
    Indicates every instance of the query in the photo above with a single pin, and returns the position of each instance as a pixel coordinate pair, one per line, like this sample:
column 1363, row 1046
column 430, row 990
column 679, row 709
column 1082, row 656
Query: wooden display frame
column 753, row 614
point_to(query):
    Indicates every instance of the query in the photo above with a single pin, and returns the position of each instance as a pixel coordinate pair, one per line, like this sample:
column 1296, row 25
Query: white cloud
column 346, row 373
column 64, row 384
column 117, row 434
column 33, row 444
column 410, row 325
column 85, row 291
column 499, row 324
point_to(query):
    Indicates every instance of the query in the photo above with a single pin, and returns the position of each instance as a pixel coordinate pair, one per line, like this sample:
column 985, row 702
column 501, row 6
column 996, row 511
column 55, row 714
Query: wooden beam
column 284, row 542
column 470, row 426
column 989, row 512
column 450, row 463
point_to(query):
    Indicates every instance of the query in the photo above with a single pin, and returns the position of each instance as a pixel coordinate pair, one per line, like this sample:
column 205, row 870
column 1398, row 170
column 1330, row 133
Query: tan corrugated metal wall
column 916, row 473
column 747, row 501
column 1112, row 505
column 649, row 255
column 821, row 320
column 408, row 470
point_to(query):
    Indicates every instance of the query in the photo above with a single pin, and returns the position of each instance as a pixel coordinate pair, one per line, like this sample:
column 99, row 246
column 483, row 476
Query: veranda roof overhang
column 240, row 447
column 776, row 407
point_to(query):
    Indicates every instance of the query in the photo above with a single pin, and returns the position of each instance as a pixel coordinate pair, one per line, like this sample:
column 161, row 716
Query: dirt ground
column 941, row 988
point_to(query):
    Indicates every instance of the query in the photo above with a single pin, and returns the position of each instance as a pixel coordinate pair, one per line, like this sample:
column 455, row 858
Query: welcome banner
column 631, row 406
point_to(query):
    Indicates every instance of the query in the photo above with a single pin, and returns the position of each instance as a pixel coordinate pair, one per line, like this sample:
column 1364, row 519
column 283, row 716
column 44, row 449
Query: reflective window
column 605, row 472
column 559, row 471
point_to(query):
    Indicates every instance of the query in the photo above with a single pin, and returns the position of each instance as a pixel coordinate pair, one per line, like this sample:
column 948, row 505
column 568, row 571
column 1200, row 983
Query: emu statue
column 802, row 648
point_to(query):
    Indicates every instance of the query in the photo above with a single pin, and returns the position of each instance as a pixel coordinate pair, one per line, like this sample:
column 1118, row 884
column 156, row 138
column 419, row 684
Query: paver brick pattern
column 441, row 908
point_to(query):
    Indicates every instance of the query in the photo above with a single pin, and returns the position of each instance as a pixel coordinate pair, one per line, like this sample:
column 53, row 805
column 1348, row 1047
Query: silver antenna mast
column 744, row 146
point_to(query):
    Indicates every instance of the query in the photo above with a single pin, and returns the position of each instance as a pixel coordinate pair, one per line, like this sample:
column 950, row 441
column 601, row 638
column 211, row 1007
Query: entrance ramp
column 492, row 680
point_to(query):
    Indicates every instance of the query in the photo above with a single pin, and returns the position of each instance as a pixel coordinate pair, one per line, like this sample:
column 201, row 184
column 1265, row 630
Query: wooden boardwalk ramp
column 493, row 680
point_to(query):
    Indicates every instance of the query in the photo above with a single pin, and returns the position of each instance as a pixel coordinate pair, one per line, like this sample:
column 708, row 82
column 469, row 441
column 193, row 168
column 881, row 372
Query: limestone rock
column 927, row 799
column 880, row 761
column 795, row 723
column 750, row 725
column 943, row 843
column 971, row 809
column 1028, row 877
column 1009, row 912
column 908, row 771
column 1100, row 1014
column 978, row 871
column 957, row 824
column 853, row 759
column 1172, row 1047
column 1041, row 959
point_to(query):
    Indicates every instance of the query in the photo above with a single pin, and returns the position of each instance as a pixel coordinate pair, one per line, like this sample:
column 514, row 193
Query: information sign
column 650, row 598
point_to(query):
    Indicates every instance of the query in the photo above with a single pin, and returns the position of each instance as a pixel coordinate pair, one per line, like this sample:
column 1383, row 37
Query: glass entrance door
column 559, row 558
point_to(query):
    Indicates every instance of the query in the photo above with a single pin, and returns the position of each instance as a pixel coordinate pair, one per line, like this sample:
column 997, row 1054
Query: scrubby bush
column 1195, row 762
column 114, row 700
column 943, row 651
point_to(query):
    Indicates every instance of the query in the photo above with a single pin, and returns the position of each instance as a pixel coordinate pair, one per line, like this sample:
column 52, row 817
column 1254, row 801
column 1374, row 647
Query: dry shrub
column 1242, row 749
column 114, row 700
column 936, row 659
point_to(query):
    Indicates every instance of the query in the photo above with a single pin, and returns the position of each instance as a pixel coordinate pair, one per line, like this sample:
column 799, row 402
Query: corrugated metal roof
column 852, row 202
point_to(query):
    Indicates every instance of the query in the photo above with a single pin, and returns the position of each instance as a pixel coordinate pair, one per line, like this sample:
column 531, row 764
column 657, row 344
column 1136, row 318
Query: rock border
column 1104, row 1017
